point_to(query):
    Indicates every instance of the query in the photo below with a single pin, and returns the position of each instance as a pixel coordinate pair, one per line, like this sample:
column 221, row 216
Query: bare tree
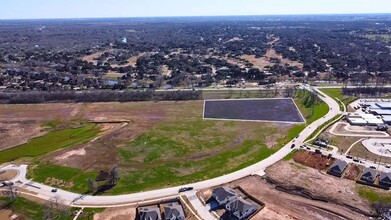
column 92, row 185
column 114, row 175
column 11, row 192
column 56, row 209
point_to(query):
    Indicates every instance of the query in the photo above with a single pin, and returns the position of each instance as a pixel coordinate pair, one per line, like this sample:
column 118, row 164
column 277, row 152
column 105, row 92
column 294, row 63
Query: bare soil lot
column 295, row 178
column 353, row 172
column 284, row 205
column 310, row 159
column 123, row 213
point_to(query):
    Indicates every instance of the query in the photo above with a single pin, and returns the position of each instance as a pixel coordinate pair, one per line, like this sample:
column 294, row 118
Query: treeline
column 98, row 96
column 365, row 91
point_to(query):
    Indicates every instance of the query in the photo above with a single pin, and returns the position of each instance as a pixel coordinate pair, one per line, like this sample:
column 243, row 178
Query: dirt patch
column 102, row 151
column 123, row 213
column 16, row 133
column 92, row 57
column 271, row 214
column 111, row 75
column 67, row 155
column 282, row 205
column 313, row 160
column 259, row 63
column 288, row 175
column 5, row 214
column 8, row 175
column 353, row 171
column 133, row 60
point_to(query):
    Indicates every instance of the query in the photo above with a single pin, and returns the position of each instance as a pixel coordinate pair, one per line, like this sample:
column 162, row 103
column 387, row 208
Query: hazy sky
column 21, row 9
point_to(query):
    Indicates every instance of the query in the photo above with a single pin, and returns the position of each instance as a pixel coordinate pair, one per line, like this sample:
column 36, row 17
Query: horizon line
column 196, row 16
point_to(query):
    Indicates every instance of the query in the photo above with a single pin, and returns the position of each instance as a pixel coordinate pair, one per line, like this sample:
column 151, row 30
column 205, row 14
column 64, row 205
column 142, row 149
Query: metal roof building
column 384, row 105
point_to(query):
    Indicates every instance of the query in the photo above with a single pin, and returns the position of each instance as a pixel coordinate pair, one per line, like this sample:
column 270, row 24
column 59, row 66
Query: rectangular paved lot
column 274, row 110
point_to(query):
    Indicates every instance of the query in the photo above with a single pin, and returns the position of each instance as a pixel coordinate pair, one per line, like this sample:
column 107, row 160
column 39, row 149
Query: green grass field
column 373, row 195
column 184, row 148
column 50, row 142
column 24, row 207
column 337, row 94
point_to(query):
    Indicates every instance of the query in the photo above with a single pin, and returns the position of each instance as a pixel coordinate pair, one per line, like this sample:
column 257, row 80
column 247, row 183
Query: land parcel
column 263, row 110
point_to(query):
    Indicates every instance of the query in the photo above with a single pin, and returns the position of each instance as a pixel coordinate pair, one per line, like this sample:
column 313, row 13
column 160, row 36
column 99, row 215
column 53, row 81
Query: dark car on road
column 54, row 190
column 184, row 189
column 7, row 183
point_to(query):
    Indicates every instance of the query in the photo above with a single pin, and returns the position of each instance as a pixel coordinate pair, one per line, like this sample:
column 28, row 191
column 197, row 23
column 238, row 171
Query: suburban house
column 385, row 179
column 224, row 195
column 239, row 209
column 174, row 212
column 368, row 175
column 150, row 213
column 337, row 168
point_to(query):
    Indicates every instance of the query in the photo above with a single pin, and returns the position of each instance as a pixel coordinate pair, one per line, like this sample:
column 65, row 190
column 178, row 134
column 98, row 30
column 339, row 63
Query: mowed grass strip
column 68, row 174
column 50, row 142
column 336, row 94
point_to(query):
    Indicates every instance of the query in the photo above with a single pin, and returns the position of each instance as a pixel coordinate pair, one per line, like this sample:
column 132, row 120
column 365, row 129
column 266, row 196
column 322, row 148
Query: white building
column 357, row 121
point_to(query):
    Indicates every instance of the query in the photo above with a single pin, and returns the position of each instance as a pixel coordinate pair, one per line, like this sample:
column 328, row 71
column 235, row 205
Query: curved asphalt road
column 74, row 199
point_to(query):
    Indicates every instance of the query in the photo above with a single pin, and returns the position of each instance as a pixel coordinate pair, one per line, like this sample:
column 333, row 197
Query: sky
column 34, row 9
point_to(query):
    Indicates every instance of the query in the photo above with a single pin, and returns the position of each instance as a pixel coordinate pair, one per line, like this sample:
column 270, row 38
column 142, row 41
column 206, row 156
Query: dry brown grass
column 91, row 58
column 123, row 213
column 113, row 75
column 264, row 61
column 17, row 133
